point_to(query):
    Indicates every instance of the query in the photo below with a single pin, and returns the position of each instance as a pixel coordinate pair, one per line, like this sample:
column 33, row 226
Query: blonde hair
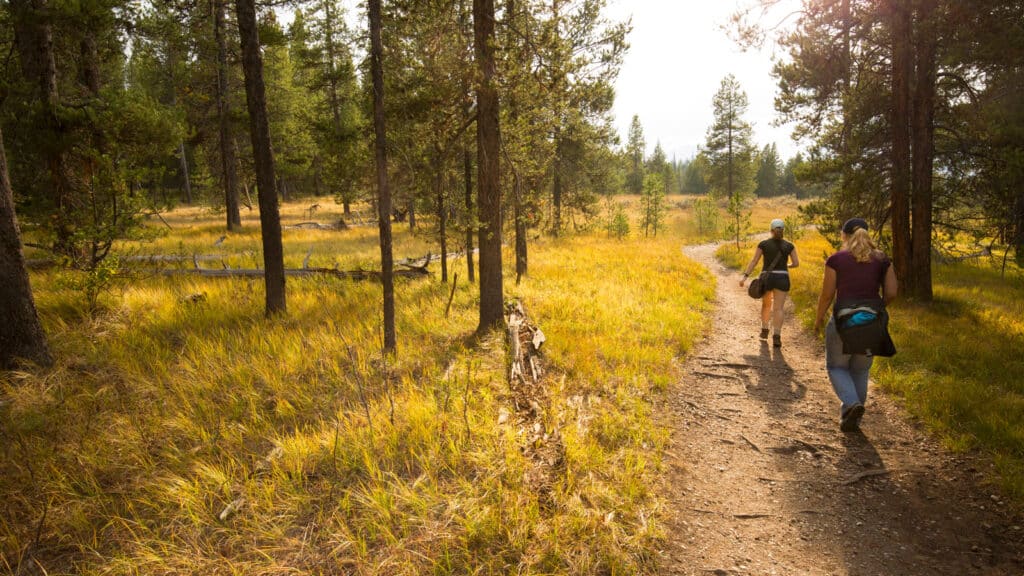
column 862, row 246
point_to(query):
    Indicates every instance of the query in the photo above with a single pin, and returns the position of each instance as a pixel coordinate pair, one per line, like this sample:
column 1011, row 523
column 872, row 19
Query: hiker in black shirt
column 777, row 284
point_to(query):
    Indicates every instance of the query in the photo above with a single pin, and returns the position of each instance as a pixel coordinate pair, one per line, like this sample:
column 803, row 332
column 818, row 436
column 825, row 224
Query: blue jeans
column 847, row 372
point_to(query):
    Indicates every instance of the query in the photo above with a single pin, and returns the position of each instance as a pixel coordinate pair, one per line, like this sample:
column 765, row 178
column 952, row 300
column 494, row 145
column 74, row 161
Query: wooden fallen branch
column 297, row 272
column 866, row 474
column 736, row 365
column 722, row 376
column 339, row 225
column 164, row 258
column 431, row 258
column 752, row 445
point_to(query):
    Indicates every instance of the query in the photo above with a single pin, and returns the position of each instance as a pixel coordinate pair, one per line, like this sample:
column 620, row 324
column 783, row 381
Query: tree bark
column 1018, row 228
column 901, row 172
column 22, row 335
column 923, row 151
column 227, row 148
column 263, row 157
column 521, row 250
column 186, row 181
column 468, row 180
column 442, row 219
column 556, row 188
column 34, row 34
column 488, row 170
column 380, row 149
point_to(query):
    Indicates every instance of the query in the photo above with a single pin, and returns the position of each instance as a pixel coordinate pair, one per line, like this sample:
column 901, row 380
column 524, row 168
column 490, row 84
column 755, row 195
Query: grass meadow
column 181, row 431
column 959, row 367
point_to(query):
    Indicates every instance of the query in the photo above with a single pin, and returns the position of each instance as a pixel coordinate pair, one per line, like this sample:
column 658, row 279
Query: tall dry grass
column 183, row 432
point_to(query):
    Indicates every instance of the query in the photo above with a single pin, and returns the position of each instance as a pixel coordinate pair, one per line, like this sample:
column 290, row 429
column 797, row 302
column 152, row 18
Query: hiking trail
column 761, row 481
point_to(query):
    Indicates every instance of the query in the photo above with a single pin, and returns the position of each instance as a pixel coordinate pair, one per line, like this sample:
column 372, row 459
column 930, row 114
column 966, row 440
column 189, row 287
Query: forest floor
column 761, row 480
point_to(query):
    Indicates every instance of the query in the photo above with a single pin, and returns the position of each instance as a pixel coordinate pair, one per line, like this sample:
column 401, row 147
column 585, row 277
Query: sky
column 677, row 58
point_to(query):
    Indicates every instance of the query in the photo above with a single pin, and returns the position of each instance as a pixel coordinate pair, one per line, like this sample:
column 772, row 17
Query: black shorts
column 777, row 282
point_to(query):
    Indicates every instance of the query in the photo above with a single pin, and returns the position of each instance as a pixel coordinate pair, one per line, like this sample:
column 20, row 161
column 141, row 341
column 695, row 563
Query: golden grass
column 178, row 436
column 959, row 367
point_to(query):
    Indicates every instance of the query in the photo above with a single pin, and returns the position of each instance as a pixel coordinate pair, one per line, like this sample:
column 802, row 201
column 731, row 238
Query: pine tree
column 492, row 313
column 263, row 158
column 380, row 147
column 652, row 202
column 769, row 168
column 730, row 154
column 635, row 150
column 22, row 336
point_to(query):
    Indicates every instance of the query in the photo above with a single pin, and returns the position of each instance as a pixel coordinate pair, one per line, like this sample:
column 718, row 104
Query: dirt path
column 762, row 481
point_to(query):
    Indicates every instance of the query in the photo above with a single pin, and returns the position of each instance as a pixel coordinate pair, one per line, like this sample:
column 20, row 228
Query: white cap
column 777, row 223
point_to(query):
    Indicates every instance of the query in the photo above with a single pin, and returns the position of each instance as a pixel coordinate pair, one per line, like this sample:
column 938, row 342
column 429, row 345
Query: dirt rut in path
column 762, row 481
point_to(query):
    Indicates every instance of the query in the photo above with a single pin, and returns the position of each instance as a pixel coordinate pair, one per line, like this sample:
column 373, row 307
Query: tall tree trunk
column 1018, row 227
column 22, row 336
column 34, row 35
column 380, row 149
column 332, row 77
column 470, row 229
column 317, row 177
column 186, row 181
column 263, row 157
column 900, row 178
column 924, row 151
column 556, row 187
column 517, row 191
column 847, row 58
column 282, row 188
column 488, row 170
column 227, row 139
column 442, row 222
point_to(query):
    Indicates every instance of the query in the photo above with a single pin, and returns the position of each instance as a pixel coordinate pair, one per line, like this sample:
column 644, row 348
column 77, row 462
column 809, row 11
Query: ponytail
column 861, row 246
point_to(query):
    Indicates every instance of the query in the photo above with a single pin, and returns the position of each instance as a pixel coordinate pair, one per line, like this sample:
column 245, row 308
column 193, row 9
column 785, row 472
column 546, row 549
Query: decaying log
column 539, row 432
column 299, row 272
column 524, row 345
column 339, row 225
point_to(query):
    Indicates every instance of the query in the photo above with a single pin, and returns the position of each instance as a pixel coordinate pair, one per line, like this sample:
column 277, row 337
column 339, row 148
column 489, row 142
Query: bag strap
column 774, row 260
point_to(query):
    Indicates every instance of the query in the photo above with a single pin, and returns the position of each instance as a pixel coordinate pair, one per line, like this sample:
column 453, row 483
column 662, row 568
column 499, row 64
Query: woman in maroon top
column 857, row 277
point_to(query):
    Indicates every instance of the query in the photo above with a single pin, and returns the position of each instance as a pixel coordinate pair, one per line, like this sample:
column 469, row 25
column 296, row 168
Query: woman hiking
column 779, row 256
column 861, row 280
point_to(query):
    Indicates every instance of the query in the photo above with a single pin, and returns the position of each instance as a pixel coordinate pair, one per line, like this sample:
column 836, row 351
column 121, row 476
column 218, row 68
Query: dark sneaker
column 764, row 333
column 850, row 422
column 777, row 341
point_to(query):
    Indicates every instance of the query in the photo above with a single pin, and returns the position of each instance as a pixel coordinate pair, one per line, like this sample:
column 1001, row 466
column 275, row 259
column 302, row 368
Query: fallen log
column 339, row 225
column 296, row 272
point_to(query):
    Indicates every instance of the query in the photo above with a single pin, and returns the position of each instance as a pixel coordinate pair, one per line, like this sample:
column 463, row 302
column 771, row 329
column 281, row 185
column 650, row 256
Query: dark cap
column 852, row 224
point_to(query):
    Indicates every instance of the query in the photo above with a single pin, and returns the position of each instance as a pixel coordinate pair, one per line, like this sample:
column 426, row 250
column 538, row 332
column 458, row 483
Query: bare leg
column 778, row 305
column 766, row 308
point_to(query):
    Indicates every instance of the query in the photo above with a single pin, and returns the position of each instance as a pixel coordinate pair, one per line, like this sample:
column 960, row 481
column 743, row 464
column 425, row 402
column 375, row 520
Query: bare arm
column 794, row 260
column 828, row 292
column 750, row 267
column 890, row 287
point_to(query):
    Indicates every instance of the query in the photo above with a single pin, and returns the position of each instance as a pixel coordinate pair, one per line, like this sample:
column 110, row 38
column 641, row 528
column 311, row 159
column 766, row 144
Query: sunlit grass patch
column 617, row 313
column 181, row 431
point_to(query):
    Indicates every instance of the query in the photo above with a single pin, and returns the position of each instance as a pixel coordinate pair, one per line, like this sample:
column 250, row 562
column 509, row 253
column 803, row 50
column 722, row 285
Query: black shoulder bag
column 756, row 289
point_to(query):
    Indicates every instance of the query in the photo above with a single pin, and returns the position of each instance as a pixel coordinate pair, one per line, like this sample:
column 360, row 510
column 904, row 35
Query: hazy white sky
column 677, row 58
